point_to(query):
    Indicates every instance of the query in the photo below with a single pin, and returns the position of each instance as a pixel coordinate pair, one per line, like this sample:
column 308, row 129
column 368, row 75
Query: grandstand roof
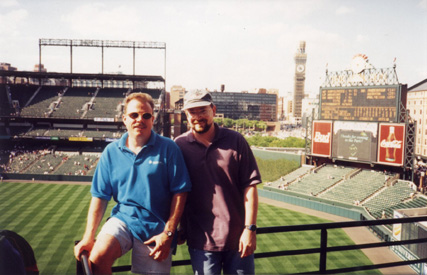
column 420, row 86
column 30, row 74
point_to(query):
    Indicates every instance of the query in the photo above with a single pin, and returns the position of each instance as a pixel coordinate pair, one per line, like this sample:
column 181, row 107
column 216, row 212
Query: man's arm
column 162, row 241
column 96, row 212
column 247, row 244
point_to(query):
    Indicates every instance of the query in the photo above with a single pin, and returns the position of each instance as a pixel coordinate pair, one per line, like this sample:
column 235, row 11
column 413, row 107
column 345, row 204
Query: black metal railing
column 323, row 250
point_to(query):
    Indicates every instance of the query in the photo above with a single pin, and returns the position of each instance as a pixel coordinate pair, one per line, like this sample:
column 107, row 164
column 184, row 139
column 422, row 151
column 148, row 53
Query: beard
column 201, row 126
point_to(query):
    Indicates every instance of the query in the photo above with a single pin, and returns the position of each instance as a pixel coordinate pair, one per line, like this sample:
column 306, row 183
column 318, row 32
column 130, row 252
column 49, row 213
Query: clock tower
column 299, row 80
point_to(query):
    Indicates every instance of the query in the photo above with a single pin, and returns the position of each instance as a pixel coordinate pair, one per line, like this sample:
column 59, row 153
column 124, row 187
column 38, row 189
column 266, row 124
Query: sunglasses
column 136, row 115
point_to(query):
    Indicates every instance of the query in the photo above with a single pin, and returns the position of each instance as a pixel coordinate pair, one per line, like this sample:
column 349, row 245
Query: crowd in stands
column 47, row 161
column 40, row 131
column 78, row 165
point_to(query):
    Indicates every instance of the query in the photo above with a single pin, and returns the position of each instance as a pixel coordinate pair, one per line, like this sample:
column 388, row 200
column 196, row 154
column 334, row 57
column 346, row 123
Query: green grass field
column 52, row 216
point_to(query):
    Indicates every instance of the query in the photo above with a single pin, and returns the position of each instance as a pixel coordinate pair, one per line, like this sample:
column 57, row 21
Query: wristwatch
column 168, row 233
column 251, row 227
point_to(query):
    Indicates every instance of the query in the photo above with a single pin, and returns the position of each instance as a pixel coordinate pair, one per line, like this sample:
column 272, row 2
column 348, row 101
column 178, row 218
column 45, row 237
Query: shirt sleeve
column 101, row 185
column 178, row 174
column 248, row 169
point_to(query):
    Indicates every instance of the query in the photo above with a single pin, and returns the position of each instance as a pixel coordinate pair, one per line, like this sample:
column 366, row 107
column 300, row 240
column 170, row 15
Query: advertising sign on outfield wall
column 391, row 144
column 355, row 141
column 322, row 138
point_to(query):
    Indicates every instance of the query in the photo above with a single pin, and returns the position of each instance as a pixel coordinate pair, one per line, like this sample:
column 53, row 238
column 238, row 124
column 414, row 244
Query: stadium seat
column 10, row 260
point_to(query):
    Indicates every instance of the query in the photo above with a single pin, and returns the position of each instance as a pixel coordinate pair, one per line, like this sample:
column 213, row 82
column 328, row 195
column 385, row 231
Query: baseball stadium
column 350, row 202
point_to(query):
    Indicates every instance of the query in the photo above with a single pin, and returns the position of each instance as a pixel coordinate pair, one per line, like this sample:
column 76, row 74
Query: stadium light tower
column 101, row 44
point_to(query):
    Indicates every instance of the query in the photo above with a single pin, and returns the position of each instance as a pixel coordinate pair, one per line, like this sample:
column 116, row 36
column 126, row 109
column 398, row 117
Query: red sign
column 391, row 144
column 322, row 138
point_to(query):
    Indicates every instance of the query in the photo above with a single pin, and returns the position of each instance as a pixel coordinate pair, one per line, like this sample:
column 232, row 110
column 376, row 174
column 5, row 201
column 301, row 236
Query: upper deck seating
column 102, row 133
column 107, row 103
column 5, row 109
column 43, row 102
column 63, row 132
column 74, row 102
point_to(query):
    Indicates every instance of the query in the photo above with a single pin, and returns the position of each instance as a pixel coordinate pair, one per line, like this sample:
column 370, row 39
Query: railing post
column 323, row 246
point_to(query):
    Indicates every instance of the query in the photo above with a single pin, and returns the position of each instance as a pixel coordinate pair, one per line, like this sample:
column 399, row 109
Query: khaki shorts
column 142, row 263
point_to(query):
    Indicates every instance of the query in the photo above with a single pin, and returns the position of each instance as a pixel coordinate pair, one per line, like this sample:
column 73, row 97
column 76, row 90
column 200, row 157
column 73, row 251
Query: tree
column 261, row 125
column 228, row 122
column 219, row 121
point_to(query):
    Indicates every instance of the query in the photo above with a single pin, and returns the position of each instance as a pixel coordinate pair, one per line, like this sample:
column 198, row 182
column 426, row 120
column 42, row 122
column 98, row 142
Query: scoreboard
column 379, row 103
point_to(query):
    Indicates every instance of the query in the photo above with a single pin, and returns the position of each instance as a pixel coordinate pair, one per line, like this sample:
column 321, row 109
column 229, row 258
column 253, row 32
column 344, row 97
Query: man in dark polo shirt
column 219, row 223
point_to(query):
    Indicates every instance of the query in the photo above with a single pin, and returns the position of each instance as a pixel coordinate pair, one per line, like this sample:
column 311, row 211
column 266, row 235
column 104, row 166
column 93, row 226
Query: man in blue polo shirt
column 146, row 175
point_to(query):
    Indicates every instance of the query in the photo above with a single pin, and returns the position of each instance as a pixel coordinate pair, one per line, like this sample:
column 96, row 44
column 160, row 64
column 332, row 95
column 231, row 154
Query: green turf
column 51, row 216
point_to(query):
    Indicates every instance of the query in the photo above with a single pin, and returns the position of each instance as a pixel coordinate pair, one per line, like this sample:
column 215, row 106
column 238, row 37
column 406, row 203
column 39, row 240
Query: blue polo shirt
column 142, row 185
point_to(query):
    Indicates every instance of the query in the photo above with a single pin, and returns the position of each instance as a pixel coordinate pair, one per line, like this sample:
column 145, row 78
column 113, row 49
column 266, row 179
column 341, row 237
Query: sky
column 244, row 45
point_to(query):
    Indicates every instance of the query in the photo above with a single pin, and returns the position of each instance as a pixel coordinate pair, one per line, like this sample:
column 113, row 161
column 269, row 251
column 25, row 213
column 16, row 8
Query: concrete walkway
column 360, row 235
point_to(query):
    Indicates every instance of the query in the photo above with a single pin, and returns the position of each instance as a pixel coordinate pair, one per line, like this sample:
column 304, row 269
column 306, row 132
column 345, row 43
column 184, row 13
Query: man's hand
column 247, row 243
column 83, row 245
column 162, row 246
column 96, row 212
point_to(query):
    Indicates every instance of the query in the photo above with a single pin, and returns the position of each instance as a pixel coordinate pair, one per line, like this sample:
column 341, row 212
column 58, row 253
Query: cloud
column 423, row 4
column 256, row 11
column 100, row 20
column 11, row 22
column 362, row 38
column 343, row 10
column 8, row 3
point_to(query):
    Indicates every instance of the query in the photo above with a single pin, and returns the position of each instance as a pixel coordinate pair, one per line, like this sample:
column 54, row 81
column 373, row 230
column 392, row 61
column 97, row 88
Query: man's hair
column 142, row 97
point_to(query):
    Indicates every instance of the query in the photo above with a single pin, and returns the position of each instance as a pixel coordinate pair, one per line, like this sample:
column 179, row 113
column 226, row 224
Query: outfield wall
column 315, row 204
column 356, row 213
column 47, row 177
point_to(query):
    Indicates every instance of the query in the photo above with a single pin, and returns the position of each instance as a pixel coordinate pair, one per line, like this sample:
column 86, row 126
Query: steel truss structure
column 411, row 130
column 369, row 77
column 159, row 121
column 101, row 44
